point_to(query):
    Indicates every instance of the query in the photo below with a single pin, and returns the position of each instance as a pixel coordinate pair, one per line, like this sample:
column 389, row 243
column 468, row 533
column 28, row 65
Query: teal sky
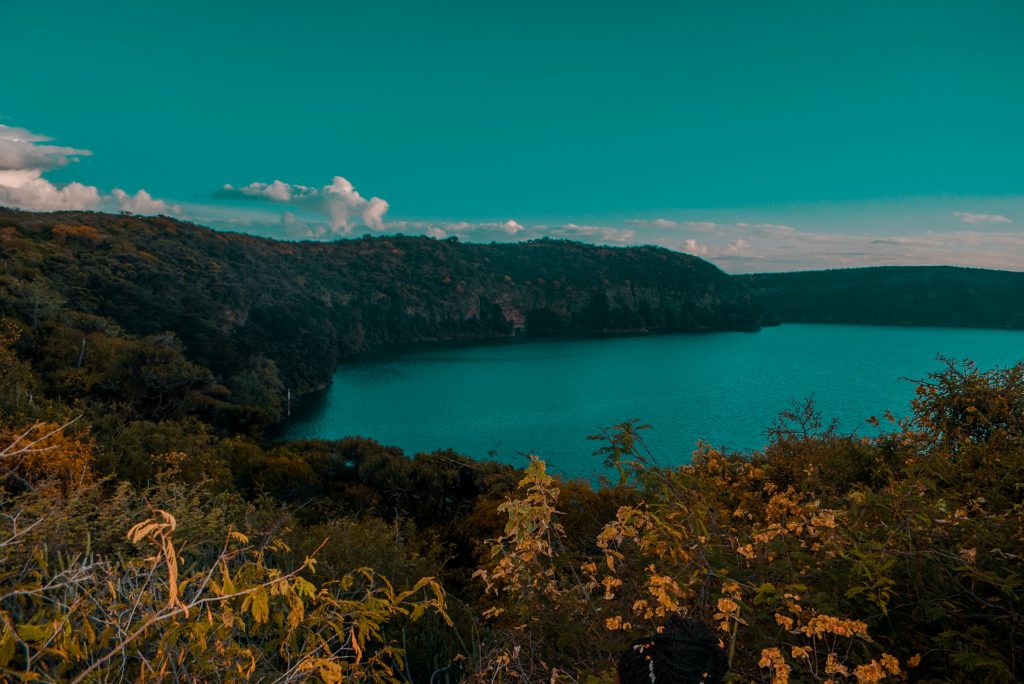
column 850, row 123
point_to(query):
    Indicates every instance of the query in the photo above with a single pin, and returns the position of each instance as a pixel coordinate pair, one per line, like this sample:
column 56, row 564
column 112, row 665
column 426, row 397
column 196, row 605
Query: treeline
column 263, row 316
column 894, row 295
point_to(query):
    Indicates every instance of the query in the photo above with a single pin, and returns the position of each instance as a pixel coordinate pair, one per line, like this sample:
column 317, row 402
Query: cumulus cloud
column 737, row 246
column 691, row 246
column 23, row 159
column 27, row 189
column 143, row 203
column 970, row 217
column 339, row 201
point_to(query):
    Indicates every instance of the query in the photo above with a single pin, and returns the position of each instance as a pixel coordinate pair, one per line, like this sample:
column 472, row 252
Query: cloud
column 602, row 234
column 737, row 246
column 970, row 217
column 754, row 246
column 810, row 250
column 143, row 203
column 666, row 223
column 26, row 189
column 484, row 231
column 20, row 149
column 513, row 231
column 22, row 163
column 339, row 202
column 767, row 229
column 693, row 247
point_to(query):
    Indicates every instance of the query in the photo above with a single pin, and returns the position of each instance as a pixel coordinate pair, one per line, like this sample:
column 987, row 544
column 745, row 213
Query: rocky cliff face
column 237, row 301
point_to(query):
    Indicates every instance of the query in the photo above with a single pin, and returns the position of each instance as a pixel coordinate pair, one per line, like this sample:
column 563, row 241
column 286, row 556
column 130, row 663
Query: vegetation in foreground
column 159, row 550
column 150, row 531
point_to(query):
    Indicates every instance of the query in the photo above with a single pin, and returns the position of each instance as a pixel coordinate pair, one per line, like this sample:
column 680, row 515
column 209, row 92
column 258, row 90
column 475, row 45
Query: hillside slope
column 273, row 313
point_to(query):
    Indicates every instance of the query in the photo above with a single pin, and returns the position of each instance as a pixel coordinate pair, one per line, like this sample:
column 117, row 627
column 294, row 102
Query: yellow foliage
column 45, row 454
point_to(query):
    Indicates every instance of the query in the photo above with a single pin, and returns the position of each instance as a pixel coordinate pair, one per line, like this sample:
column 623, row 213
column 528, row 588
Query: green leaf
column 34, row 633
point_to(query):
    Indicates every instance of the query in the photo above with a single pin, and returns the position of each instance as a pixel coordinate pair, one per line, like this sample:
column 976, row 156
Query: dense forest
column 262, row 314
column 894, row 295
column 150, row 530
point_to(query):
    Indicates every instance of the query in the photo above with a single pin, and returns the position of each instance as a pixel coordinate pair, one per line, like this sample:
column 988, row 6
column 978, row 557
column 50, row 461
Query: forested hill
column 265, row 315
column 894, row 295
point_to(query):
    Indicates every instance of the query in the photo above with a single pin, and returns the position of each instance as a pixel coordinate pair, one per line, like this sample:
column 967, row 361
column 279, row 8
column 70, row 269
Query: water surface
column 506, row 400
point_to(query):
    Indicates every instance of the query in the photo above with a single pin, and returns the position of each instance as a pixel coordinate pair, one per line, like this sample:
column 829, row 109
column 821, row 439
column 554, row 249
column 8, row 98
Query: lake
column 506, row 400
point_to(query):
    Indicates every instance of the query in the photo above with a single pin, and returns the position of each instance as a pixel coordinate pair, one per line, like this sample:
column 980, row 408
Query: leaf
column 33, row 633
column 142, row 530
column 6, row 647
column 259, row 607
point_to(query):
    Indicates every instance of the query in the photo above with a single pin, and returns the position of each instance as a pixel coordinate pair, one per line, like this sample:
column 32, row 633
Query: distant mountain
column 285, row 313
column 894, row 295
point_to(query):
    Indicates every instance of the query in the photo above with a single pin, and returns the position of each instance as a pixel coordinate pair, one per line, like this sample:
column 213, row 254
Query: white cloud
column 766, row 229
column 484, row 231
column 513, row 231
column 24, row 160
column 143, row 203
column 22, row 163
column 602, row 234
column 437, row 233
column 970, row 217
column 666, row 223
column 20, row 149
column 26, row 189
column 693, row 247
column 278, row 191
column 339, row 202
column 737, row 246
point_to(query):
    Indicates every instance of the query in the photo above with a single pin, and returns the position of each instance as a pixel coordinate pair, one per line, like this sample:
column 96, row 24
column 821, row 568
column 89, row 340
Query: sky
column 763, row 136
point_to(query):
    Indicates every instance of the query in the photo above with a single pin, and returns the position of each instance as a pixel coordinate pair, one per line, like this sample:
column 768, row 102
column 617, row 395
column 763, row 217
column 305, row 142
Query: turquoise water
column 545, row 397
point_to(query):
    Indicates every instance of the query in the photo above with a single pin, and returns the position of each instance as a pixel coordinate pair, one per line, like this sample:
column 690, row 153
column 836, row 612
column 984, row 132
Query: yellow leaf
column 259, row 607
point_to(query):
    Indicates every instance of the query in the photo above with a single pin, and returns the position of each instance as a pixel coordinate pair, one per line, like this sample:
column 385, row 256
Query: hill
column 265, row 315
column 894, row 295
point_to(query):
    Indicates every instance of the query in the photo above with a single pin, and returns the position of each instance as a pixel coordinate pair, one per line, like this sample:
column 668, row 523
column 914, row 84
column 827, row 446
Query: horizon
column 461, row 240
column 801, row 138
